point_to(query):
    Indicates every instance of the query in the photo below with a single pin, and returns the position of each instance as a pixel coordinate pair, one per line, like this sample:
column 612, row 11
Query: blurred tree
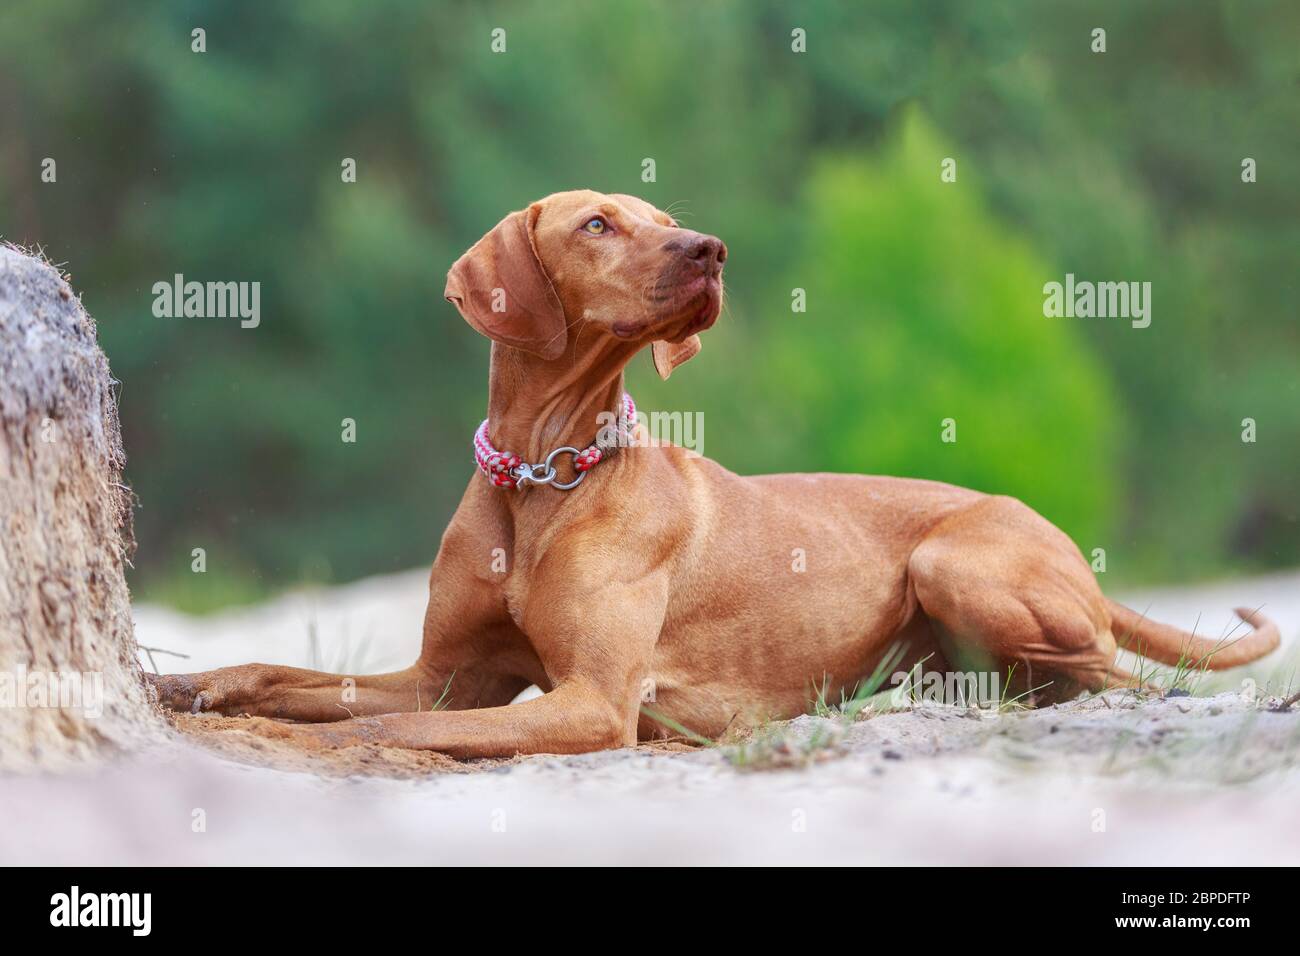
column 225, row 165
column 906, row 329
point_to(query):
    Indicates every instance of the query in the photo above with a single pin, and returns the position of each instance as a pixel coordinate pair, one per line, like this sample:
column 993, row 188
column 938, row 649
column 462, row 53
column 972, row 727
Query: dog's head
column 576, row 263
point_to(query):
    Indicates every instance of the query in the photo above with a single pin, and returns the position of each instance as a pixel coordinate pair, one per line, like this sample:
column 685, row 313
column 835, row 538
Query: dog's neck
column 536, row 406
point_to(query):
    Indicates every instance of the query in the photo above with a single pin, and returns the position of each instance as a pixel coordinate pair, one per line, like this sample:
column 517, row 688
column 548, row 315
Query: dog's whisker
column 583, row 322
column 676, row 210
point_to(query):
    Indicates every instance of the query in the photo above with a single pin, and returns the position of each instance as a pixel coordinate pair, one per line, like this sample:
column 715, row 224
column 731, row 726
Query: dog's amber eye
column 595, row 225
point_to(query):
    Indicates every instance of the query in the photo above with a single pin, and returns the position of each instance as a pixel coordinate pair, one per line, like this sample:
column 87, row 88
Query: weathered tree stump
column 71, row 687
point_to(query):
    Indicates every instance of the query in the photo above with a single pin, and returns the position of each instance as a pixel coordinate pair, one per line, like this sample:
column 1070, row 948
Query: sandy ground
column 1205, row 779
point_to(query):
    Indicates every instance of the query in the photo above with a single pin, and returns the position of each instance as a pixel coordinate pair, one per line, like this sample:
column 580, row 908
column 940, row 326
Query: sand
column 1115, row 779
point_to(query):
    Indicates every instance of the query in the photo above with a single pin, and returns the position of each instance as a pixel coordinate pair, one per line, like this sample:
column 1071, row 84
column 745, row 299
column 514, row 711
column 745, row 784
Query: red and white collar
column 507, row 470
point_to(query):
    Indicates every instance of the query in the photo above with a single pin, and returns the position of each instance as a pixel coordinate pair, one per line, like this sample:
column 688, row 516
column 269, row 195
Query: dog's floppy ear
column 501, row 289
column 669, row 355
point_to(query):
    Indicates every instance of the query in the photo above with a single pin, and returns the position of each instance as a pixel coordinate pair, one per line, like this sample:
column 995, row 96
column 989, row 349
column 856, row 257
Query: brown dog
column 665, row 572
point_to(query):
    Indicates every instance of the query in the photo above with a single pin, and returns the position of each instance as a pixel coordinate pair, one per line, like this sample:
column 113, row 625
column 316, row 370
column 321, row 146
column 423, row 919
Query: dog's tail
column 1171, row 645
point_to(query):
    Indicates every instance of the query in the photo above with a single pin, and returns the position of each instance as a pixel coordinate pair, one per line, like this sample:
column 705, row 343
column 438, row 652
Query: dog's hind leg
column 1000, row 579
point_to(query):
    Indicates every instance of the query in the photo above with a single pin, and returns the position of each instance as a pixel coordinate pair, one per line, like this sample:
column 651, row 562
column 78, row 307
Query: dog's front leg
column 265, row 690
column 597, row 650
column 574, row 718
column 269, row 690
column 473, row 656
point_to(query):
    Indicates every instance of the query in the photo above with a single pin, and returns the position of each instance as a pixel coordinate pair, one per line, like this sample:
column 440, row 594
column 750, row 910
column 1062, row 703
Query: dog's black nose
column 709, row 251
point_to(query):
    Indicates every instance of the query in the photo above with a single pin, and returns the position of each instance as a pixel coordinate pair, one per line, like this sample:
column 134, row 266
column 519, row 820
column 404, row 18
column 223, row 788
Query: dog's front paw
column 180, row 692
column 197, row 693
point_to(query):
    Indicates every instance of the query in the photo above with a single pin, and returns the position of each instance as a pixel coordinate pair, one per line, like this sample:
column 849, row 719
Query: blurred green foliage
column 820, row 170
column 892, row 353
